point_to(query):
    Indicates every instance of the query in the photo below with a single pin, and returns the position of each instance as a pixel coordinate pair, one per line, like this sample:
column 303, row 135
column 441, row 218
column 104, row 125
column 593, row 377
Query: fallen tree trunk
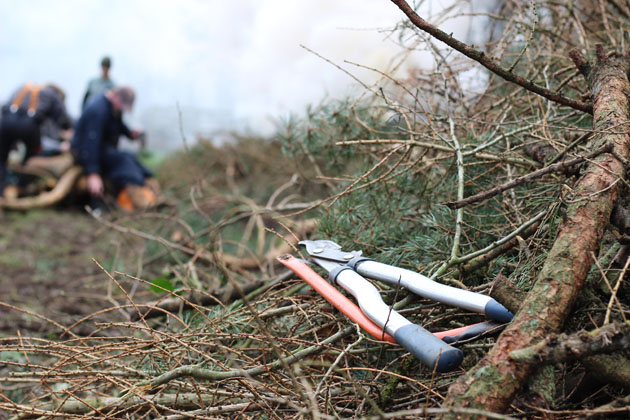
column 58, row 193
column 607, row 368
column 494, row 381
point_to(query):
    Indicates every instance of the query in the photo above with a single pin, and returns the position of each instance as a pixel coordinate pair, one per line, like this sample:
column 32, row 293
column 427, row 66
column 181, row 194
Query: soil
column 48, row 258
column 49, row 271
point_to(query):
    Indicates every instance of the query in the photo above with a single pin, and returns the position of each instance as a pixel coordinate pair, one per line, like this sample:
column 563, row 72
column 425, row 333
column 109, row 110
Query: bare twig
column 487, row 62
column 556, row 167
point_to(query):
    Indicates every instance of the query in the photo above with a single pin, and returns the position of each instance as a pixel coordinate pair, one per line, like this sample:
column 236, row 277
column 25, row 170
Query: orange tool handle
column 335, row 297
column 456, row 331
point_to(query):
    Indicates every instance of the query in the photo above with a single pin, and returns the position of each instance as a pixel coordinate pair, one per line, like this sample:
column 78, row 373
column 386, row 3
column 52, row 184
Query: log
column 609, row 369
column 507, row 293
column 495, row 380
column 48, row 198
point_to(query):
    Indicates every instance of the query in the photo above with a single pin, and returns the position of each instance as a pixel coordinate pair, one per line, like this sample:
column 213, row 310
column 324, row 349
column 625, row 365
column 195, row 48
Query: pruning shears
column 349, row 269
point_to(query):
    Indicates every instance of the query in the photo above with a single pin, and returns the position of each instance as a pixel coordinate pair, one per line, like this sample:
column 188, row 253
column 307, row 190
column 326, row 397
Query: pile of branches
column 504, row 169
column 508, row 185
column 272, row 353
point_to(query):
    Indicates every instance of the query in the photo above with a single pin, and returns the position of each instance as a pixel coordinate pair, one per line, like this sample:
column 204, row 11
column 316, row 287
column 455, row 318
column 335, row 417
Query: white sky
column 227, row 63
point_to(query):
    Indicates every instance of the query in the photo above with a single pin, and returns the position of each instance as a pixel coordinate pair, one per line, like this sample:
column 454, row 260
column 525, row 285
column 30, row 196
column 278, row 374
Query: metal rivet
column 318, row 250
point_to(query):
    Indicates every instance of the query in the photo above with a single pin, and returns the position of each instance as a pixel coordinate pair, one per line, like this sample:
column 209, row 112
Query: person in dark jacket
column 22, row 117
column 95, row 147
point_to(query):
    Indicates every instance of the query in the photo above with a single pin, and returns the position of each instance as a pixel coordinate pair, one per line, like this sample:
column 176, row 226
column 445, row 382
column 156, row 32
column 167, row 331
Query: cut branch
column 507, row 293
column 179, row 402
column 501, row 249
column 555, row 349
column 487, row 62
column 201, row 373
column 556, row 167
column 609, row 368
column 61, row 189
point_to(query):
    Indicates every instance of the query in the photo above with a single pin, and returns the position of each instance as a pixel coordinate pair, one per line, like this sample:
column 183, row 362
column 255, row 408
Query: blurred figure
column 100, row 84
column 95, row 147
column 22, row 118
column 54, row 139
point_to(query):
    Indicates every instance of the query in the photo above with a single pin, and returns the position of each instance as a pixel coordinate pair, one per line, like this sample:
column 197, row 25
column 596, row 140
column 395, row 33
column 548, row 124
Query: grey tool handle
column 433, row 353
column 429, row 349
column 423, row 286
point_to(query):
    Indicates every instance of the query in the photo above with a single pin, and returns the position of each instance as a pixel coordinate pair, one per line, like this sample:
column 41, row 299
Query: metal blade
column 328, row 250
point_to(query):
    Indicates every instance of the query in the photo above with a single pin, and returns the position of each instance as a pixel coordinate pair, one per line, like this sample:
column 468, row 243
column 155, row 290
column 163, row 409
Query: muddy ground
column 47, row 256
column 48, row 269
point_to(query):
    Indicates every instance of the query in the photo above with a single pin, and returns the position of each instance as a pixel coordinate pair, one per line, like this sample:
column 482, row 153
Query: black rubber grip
column 427, row 348
column 498, row 312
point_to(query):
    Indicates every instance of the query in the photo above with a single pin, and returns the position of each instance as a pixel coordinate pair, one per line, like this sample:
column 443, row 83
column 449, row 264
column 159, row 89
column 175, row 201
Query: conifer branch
column 487, row 62
column 556, row 167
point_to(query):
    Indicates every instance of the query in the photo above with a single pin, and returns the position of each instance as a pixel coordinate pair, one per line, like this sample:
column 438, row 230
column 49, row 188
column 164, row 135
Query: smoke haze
column 230, row 65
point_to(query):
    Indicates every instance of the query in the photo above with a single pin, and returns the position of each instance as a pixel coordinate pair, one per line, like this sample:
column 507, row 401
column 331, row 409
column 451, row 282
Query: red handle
column 335, row 297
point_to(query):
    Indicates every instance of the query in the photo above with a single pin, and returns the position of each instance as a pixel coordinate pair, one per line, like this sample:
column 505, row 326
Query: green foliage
column 150, row 159
column 161, row 284
column 316, row 133
column 404, row 222
column 393, row 210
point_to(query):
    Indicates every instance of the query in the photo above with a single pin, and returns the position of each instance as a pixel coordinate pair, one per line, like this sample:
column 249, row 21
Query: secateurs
column 348, row 269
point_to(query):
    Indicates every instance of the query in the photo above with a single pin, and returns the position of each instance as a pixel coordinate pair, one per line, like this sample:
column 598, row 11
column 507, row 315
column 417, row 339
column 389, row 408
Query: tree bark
column 507, row 293
column 609, row 369
column 556, row 349
column 493, row 383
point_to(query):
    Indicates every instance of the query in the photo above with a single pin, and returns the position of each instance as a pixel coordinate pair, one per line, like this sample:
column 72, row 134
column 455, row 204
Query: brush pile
column 511, row 185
